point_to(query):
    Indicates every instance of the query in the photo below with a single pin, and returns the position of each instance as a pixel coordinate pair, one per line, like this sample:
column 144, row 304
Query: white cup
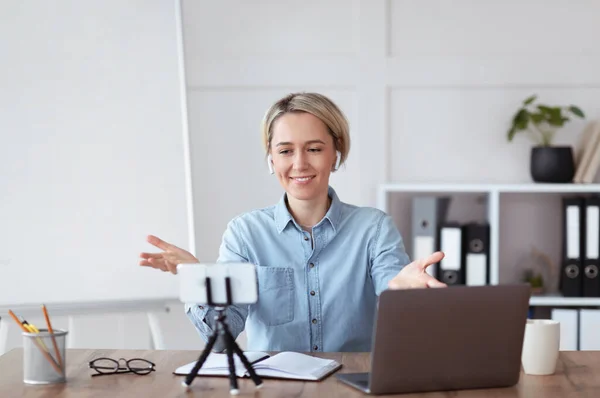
column 540, row 346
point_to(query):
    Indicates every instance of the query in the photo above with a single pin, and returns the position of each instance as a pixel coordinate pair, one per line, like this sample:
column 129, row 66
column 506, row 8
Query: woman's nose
column 300, row 161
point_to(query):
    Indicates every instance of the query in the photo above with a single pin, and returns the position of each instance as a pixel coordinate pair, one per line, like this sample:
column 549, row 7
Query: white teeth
column 302, row 179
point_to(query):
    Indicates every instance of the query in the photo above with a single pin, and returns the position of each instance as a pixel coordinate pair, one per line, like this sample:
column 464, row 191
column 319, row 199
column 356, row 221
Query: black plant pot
column 552, row 164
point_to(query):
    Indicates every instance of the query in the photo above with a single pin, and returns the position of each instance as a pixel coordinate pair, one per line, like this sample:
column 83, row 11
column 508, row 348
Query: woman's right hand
column 168, row 260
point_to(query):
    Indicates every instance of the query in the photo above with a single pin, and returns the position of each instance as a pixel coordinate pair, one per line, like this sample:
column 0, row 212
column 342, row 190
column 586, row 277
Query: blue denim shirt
column 320, row 298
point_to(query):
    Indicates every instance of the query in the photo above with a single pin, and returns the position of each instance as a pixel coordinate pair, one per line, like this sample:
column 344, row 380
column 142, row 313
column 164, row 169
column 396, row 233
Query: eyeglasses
column 109, row 366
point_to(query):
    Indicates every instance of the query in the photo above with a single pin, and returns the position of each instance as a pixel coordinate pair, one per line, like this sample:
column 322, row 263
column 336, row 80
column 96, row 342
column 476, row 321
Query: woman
column 321, row 263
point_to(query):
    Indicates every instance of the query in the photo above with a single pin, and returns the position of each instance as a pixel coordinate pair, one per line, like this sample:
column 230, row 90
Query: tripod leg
column 236, row 349
column 211, row 342
column 232, row 376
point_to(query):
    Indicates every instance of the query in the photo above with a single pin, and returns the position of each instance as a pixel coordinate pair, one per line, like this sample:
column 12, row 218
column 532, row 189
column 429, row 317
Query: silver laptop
column 446, row 339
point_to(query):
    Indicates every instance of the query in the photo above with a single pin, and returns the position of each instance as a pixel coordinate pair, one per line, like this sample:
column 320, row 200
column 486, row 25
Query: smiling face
column 303, row 155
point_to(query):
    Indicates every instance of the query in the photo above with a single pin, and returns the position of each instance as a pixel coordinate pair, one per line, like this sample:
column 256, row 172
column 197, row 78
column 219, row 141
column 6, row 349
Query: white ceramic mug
column 540, row 346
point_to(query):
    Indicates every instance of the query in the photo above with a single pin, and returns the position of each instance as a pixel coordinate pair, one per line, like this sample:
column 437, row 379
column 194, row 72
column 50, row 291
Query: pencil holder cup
column 44, row 359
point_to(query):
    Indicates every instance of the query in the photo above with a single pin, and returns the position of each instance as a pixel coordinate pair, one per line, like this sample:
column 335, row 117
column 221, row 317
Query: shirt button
column 316, row 347
column 312, row 293
column 311, row 265
column 314, row 321
column 201, row 307
column 305, row 237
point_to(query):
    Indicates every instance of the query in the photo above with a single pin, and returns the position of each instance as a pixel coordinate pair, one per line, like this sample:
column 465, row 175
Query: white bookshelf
column 499, row 197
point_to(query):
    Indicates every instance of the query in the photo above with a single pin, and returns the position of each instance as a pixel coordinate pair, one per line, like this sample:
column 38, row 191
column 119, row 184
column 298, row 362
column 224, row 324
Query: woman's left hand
column 414, row 275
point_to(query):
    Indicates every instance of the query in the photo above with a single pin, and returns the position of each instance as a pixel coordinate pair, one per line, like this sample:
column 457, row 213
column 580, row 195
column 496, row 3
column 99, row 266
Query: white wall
column 429, row 87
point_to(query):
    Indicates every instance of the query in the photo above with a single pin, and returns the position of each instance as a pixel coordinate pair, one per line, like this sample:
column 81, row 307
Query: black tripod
column 231, row 346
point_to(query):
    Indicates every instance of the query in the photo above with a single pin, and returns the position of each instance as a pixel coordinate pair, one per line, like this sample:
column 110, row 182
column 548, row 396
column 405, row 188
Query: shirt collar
column 283, row 216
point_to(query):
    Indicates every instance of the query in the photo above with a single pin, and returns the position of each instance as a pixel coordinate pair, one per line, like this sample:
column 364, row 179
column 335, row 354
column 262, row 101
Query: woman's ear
column 270, row 164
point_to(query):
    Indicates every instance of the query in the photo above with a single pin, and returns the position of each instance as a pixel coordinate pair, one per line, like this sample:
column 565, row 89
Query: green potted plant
column 536, row 280
column 549, row 163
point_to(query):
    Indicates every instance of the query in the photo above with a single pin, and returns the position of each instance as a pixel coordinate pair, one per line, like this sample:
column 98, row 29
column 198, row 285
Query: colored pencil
column 32, row 329
column 58, row 356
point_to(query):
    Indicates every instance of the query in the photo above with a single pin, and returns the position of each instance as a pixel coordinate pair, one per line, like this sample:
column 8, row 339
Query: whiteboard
column 94, row 151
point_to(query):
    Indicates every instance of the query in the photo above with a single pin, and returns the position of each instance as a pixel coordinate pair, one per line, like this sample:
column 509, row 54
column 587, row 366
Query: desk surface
column 578, row 374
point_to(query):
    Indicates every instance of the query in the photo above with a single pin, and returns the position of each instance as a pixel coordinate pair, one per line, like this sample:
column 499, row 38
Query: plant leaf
column 517, row 115
column 530, row 99
column 537, row 118
column 576, row 111
column 556, row 119
column 511, row 133
column 522, row 119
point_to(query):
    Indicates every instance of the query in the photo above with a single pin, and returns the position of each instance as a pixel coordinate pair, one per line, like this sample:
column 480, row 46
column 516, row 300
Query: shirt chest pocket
column 275, row 304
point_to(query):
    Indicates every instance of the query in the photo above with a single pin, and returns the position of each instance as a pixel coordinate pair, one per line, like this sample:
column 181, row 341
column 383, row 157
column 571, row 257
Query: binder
column 476, row 250
column 588, row 153
column 451, row 243
column 569, row 328
column 591, row 274
column 571, row 277
column 428, row 212
column 589, row 324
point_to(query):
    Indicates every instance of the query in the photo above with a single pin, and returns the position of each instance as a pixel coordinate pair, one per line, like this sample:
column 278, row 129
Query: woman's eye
column 284, row 152
column 314, row 150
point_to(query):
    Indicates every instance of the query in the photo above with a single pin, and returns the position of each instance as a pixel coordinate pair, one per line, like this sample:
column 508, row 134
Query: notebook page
column 216, row 364
column 294, row 365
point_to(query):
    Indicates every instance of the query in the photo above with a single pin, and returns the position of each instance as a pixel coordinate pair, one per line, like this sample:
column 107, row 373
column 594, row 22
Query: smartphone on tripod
column 219, row 285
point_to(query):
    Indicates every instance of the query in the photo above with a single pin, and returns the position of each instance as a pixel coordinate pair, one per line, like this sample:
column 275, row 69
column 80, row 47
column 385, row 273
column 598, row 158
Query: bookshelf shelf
column 520, row 216
column 532, row 188
column 560, row 301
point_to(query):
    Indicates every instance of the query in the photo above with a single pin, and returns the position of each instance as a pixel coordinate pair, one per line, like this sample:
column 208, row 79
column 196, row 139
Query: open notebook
column 284, row 365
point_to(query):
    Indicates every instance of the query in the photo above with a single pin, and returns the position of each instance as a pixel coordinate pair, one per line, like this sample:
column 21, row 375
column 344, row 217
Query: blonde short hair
column 319, row 106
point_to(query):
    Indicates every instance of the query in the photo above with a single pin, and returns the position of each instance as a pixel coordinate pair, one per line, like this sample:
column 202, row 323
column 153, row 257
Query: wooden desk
column 578, row 375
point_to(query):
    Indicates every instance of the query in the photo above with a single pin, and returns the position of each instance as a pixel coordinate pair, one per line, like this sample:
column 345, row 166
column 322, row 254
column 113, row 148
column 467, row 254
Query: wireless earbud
column 338, row 159
column 270, row 163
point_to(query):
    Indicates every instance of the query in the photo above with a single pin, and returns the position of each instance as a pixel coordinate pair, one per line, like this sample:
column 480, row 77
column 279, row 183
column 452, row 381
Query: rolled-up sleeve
column 388, row 255
column 232, row 249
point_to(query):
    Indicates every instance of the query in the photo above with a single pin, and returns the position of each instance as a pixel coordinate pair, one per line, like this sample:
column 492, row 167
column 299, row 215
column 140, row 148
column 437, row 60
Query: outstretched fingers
column 161, row 244
column 158, row 263
column 171, row 267
column 432, row 259
column 150, row 255
column 433, row 283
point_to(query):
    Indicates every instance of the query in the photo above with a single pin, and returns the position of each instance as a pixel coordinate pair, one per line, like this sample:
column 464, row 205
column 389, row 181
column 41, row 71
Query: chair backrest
column 3, row 336
column 165, row 329
column 173, row 330
column 127, row 330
